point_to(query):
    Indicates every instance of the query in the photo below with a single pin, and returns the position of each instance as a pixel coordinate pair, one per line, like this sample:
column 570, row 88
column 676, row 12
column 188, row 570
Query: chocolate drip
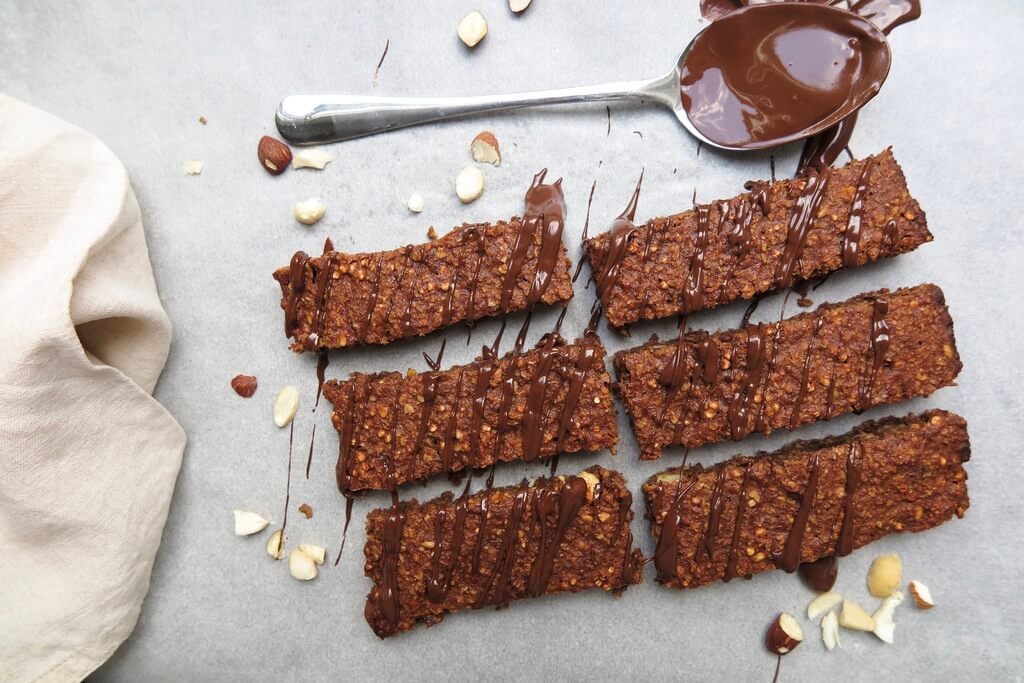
column 845, row 545
column 794, row 417
column 666, row 553
column 821, row 574
column 741, row 507
column 790, row 558
column 879, row 348
column 581, row 366
column 324, row 280
column 296, row 286
column 387, row 595
column 707, row 541
column 570, row 500
column 800, row 221
column 533, row 410
column 586, row 230
column 739, row 408
column 851, row 238
column 824, row 148
column 751, row 307
column 501, row 575
column 622, row 233
column 887, row 14
column 693, row 293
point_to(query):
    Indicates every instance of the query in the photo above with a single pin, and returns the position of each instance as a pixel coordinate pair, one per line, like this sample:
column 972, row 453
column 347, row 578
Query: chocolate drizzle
column 801, row 396
column 789, row 560
column 666, row 553
column 387, row 597
column 296, row 287
column 569, row 501
column 800, row 221
column 622, row 233
column 851, row 238
column 440, row 580
column 500, row 577
column 707, row 541
column 545, row 207
column 880, row 338
column 741, row 507
column 821, row 574
column 739, row 408
column 845, row 545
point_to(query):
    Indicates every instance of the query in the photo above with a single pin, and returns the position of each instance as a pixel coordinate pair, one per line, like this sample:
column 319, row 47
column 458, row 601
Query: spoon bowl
column 312, row 119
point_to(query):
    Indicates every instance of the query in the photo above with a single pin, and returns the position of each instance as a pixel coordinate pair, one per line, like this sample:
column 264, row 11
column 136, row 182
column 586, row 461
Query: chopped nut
column 309, row 211
column 244, row 385
column 784, row 634
column 301, row 565
column 273, row 154
column 275, row 545
column 884, row 624
column 518, row 6
column 469, row 184
column 431, row 233
column 202, row 120
column 885, row 575
column 248, row 523
column 922, row 595
column 285, row 406
column 306, row 510
column 830, row 631
column 193, row 167
column 592, row 484
column 472, row 28
column 312, row 158
column 855, row 618
column 485, row 150
column 317, row 552
column 822, row 604
column 415, row 202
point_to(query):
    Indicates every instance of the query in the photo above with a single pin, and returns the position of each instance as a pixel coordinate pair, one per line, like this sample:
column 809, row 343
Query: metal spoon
column 309, row 119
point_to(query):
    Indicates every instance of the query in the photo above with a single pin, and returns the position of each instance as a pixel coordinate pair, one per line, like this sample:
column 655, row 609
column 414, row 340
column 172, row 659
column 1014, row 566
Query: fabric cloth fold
column 88, row 458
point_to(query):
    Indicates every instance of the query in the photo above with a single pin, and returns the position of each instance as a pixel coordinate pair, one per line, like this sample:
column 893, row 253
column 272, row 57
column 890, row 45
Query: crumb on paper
column 306, row 510
column 193, row 167
column 202, row 120
column 431, row 233
column 244, row 385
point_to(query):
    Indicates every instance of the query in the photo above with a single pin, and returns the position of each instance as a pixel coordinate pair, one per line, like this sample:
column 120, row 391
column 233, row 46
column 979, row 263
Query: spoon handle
column 306, row 119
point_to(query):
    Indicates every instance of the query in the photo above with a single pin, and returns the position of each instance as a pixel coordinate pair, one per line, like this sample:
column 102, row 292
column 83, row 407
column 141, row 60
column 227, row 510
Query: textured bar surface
column 564, row 534
column 841, row 358
column 746, row 243
column 911, row 478
column 411, row 427
column 377, row 298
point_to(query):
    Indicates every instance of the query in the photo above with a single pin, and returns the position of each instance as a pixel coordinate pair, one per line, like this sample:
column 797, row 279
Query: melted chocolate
column 707, row 541
column 297, row 285
column 761, row 76
column 387, row 595
column 800, row 220
column 569, row 501
column 545, row 208
column 666, row 553
column 801, row 396
column 499, row 580
column 754, row 365
column 741, row 507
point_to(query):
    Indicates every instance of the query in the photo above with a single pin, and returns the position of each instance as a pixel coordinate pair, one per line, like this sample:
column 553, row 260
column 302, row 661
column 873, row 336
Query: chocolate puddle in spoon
column 748, row 83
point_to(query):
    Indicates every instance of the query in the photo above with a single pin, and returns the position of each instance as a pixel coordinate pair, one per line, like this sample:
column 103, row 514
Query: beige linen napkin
column 88, row 458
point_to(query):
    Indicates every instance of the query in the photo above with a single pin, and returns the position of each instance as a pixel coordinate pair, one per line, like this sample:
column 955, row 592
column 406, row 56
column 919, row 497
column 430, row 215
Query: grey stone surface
column 139, row 75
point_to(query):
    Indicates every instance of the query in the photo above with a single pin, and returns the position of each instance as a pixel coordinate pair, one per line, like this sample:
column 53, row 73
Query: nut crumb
column 244, row 385
column 306, row 510
column 431, row 233
column 202, row 120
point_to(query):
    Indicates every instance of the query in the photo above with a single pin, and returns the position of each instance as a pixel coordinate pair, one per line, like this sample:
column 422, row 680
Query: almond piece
column 822, row 604
column 855, row 618
column 922, row 595
column 309, row 211
column 193, row 167
column 275, row 545
column 472, row 28
column 593, row 485
column 518, row 6
column 317, row 552
column 273, row 154
column 469, row 184
column 485, row 150
column 830, row 631
column 248, row 523
column 285, row 406
column 301, row 565
column 784, row 634
column 885, row 626
column 312, row 158
column 885, row 575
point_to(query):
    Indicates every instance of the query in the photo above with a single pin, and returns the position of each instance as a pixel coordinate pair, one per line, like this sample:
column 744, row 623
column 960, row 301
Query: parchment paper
column 140, row 74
